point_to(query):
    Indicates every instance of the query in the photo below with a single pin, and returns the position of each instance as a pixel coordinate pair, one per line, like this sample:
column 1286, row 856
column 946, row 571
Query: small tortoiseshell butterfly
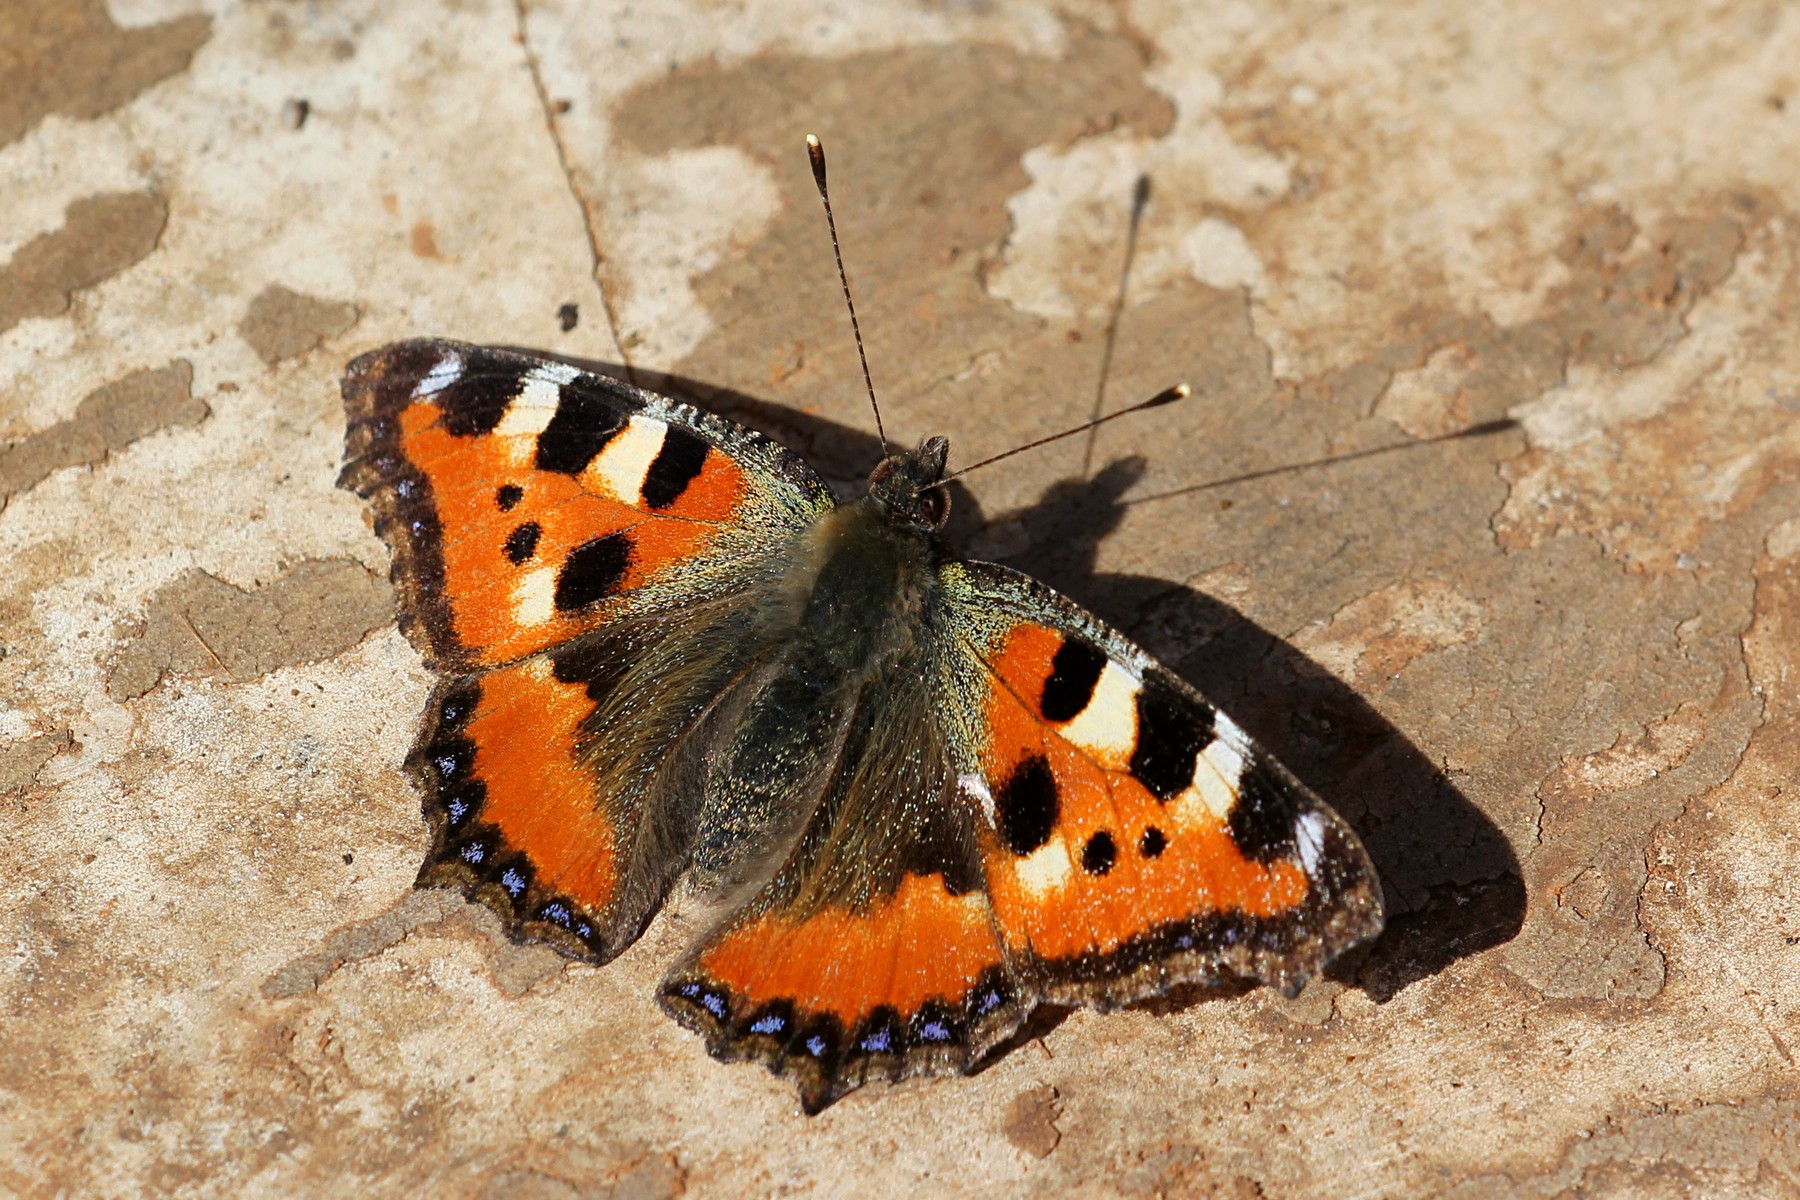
column 932, row 793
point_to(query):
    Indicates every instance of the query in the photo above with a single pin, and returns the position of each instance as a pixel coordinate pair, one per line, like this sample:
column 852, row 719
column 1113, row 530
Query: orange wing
column 527, row 501
column 1137, row 838
column 545, row 780
column 872, row 952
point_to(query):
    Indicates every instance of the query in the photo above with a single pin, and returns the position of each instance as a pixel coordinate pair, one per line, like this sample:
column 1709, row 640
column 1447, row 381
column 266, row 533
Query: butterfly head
column 903, row 485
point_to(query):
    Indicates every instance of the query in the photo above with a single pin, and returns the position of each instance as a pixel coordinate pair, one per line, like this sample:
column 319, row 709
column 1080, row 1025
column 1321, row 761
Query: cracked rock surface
column 1485, row 519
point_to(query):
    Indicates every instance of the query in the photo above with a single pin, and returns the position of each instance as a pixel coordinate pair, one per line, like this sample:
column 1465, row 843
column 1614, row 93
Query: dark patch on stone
column 109, row 418
column 281, row 324
column 70, row 58
column 1030, row 1122
column 508, row 497
column 522, row 542
column 945, row 191
column 202, row 625
column 1624, row 305
column 582, row 426
column 1100, row 853
column 567, row 317
column 593, row 571
column 1172, row 731
column 100, row 236
column 21, row 762
column 675, row 466
column 1074, row 672
column 1027, row 805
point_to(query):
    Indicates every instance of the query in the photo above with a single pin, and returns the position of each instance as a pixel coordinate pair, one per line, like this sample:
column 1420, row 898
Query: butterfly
column 927, row 794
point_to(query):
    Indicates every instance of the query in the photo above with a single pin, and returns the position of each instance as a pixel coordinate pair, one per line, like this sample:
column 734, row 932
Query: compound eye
column 934, row 507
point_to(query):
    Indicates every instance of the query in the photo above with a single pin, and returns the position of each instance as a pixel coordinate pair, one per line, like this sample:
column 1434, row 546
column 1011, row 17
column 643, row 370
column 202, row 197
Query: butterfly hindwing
column 1137, row 838
column 557, row 788
column 528, row 501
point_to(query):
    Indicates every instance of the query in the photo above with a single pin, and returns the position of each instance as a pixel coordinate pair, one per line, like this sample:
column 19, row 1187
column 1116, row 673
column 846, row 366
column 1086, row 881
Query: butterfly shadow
column 1452, row 883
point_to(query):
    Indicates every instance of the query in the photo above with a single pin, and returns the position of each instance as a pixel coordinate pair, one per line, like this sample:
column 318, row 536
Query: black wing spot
column 473, row 404
column 1027, row 805
column 675, row 466
column 522, row 542
column 1100, row 853
column 594, row 570
column 508, row 497
column 1261, row 821
column 1074, row 673
column 592, row 663
column 1153, row 843
column 582, row 426
column 1172, row 730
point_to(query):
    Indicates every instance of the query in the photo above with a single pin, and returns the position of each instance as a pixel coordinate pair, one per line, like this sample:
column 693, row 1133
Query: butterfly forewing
column 528, row 501
column 1135, row 836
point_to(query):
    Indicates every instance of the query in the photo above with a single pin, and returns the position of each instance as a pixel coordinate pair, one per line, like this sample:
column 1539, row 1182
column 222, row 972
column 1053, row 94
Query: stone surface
column 1483, row 518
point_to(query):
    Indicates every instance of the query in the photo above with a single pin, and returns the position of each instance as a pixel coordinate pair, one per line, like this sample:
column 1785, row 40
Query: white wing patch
column 1107, row 727
column 447, row 371
column 525, row 420
column 1309, row 839
column 534, row 596
column 540, row 394
column 544, row 384
column 1044, row 869
column 1228, row 731
column 622, row 466
column 1214, row 790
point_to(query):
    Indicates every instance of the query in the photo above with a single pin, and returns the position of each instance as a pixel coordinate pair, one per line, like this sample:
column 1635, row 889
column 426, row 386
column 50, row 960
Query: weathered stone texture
column 1484, row 518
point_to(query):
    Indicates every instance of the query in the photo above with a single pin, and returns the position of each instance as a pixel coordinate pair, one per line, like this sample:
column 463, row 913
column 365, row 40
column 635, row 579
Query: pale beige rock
column 1547, row 669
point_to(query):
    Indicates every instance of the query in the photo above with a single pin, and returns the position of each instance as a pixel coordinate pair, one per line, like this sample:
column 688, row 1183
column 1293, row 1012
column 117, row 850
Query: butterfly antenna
column 1180, row 391
column 816, row 153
